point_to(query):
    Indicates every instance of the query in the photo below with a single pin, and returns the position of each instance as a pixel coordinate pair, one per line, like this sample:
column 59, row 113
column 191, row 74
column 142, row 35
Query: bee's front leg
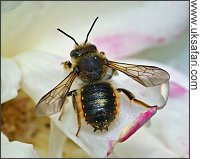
column 66, row 64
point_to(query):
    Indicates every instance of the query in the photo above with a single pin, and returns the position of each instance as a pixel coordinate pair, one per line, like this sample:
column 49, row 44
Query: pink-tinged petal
column 176, row 90
column 131, row 31
column 174, row 117
column 137, row 124
column 129, row 130
column 10, row 79
column 143, row 144
column 171, row 124
column 111, row 144
column 134, row 34
column 123, row 44
column 168, row 135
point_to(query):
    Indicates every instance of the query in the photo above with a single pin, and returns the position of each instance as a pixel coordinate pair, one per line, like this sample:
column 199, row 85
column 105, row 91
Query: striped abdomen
column 99, row 103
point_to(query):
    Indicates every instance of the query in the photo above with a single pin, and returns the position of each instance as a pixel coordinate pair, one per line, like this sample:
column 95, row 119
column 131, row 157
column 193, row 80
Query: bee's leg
column 132, row 98
column 62, row 111
column 66, row 64
column 76, row 108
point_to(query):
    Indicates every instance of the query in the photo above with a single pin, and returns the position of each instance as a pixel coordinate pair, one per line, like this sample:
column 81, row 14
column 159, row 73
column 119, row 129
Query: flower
column 42, row 50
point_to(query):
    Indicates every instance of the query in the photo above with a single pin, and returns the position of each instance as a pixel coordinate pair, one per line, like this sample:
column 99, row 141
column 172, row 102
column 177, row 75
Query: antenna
column 90, row 29
column 68, row 36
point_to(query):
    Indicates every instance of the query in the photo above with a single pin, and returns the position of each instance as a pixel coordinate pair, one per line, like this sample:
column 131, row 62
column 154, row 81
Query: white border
column 195, row 102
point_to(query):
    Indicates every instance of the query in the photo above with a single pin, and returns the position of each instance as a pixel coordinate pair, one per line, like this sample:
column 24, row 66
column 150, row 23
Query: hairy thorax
column 91, row 67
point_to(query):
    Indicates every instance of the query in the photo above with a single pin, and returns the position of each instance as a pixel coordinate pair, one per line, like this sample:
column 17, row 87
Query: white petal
column 16, row 149
column 10, row 79
column 56, row 142
column 41, row 72
column 173, row 125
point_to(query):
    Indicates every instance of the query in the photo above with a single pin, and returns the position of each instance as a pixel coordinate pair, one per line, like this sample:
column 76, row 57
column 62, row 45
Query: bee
column 97, row 100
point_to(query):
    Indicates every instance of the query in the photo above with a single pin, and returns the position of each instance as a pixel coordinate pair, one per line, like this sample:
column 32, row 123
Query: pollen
column 18, row 118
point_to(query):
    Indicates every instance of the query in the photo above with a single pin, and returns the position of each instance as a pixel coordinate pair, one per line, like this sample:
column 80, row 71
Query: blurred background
column 123, row 28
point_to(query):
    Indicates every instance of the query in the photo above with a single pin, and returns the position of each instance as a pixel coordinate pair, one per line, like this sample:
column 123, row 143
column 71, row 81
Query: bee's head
column 84, row 48
column 80, row 50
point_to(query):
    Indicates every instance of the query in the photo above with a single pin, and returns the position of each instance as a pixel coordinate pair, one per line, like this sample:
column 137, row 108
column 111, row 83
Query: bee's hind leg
column 133, row 99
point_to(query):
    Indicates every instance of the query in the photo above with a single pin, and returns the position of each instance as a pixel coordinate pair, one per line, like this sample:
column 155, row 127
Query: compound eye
column 74, row 53
column 93, row 47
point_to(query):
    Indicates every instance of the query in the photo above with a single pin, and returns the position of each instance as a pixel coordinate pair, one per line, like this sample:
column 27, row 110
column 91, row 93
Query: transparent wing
column 148, row 76
column 53, row 101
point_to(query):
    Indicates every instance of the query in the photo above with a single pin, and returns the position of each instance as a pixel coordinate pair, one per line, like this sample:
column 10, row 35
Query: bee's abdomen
column 99, row 105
